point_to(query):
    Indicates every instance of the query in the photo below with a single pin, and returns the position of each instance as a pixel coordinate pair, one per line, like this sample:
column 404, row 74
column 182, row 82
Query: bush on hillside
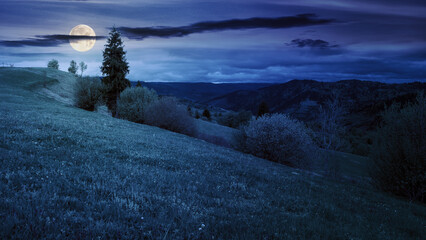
column 87, row 93
column 133, row 103
column 277, row 138
column 53, row 64
column 399, row 152
column 235, row 120
column 168, row 114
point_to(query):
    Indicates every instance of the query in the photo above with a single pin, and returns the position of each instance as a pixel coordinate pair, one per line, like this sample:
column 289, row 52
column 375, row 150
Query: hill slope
column 69, row 173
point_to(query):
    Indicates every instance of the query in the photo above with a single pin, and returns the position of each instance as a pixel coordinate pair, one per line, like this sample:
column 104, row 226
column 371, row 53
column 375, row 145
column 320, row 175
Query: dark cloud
column 397, row 2
column 318, row 43
column 233, row 24
column 46, row 40
column 32, row 54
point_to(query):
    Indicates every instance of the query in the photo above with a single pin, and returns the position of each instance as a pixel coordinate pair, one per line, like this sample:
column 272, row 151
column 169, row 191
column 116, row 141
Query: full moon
column 82, row 45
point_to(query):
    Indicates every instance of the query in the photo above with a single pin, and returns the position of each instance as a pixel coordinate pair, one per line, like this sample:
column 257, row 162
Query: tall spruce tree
column 114, row 69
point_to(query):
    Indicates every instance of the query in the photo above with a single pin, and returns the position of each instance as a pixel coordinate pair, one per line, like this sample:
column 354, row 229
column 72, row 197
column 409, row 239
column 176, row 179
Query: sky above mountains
column 227, row 40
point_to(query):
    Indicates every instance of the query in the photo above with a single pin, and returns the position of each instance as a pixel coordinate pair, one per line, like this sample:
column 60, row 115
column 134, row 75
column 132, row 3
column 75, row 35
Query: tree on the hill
column 330, row 132
column 189, row 109
column 330, row 117
column 114, row 68
column 53, row 64
column 206, row 113
column 399, row 150
column 73, row 67
column 83, row 67
column 262, row 109
column 139, row 84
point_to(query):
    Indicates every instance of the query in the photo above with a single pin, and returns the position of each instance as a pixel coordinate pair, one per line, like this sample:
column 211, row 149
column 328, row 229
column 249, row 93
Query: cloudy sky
column 227, row 40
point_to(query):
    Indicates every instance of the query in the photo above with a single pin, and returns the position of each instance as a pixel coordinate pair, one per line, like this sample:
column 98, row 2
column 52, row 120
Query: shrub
column 133, row 102
column 168, row 114
column 277, row 138
column 73, row 67
column 399, row 152
column 206, row 114
column 53, row 64
column 87, row 93
column 235, row 120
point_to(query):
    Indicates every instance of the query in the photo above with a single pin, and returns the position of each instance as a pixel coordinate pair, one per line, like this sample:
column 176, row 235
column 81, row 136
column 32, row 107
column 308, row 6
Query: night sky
column 227, row 40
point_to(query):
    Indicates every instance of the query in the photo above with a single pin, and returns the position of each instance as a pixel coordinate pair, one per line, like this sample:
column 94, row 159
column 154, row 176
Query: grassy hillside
column 215, row 133
column 69, row 173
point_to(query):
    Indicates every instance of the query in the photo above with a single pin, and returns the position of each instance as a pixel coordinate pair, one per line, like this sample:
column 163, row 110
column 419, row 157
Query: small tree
column 139, row 84
column 399, row 151
column 114, row 68
column 262, row 109
column 53, row 64
column 73, row 67
column 330, row 130
column 330, row 117
column 83, row 67
column 206, row 113
column 189, row 109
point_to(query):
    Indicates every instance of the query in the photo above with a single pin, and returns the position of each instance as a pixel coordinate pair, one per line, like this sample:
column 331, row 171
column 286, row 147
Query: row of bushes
column 143, row 105
column 140, row 105
column 275, row 137
column 399, row 154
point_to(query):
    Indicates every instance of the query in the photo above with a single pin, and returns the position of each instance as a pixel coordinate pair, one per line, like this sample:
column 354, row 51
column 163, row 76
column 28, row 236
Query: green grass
column 69, row 173
column 215, row 133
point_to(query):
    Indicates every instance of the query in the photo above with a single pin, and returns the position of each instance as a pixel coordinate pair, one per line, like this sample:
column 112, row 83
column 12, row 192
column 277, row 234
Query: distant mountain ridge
column 302, row 98
column 199, row 91
column 363, row 100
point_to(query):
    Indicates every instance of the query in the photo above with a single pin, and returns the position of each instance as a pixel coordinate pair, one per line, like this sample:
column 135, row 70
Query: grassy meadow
column 72, row 174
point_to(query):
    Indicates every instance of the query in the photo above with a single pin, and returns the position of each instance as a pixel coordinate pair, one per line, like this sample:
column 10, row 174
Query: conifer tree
column 262, row 109
column 114, row 69
column 206, row 113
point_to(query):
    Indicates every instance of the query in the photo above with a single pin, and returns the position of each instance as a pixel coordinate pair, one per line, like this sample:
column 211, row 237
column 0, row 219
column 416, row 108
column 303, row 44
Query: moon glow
column 82, row 45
